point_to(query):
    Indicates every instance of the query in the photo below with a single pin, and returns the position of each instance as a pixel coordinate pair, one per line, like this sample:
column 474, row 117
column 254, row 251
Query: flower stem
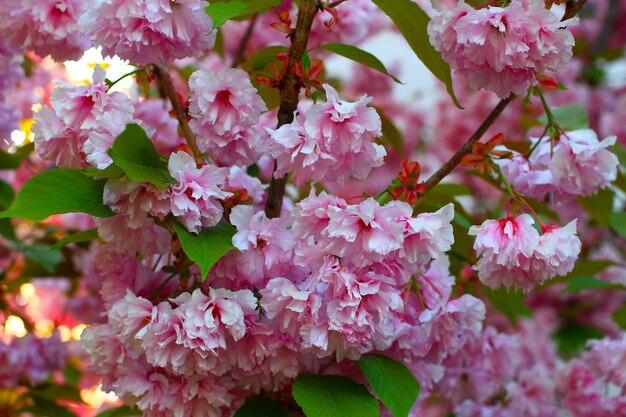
column 112, row 83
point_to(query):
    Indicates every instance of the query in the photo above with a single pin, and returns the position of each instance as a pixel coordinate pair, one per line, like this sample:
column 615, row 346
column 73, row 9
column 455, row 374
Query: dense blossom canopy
column 212, row 216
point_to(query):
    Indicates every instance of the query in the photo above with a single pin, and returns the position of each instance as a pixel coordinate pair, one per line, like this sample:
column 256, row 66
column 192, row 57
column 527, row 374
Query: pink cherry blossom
column 529, row 176
column 48, row 27
column 135, row 200
column 82, row 123
column 195, row 196
column 225, row 108
column 428, row 235
column 501, row 49
column 130, row 316
column 582, row 164
column 291, row 307
column 435, row 282
column 57, row 142
column 31, row 359
column 330, row 140
column 367, row 227
column 557, row 251
column 149, row 31
column 451, row 323
column 256, row 231
column 238, row 179
column 506, row 247
column 577, row 165
column 147, row 239
column 311, row 214
column 206, row 320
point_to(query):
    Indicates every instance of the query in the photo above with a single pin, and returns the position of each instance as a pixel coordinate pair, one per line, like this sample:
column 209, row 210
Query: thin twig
column 334, row 4
column 289, row 87
column 240, row 57
column 466, row 149
column 167, row 90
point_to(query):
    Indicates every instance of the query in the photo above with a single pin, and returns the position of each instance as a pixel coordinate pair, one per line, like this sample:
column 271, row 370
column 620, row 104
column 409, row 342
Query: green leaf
column 412, row 23
column 392, row 382
column 358, row 55
column 585, row 268
column 6, row 195
column 72, row 374
column 48, row 408
column 43, row 254
column 620, row 151
column 261, row 407
column 112, row 171
column 135, row 153
column 508, row 302
column 14, row 160
column 619, row 316
column 618, row 223
column 599, row 206
column 58, row 392
column 6, row 229
column 582, row 282
column 56, row 191
column 569, row 117
column 333, row 396
column 208, row 246
column 451, row 189
column 572, row 337
column 83, row 236
column 263, row 57
column 259, row 6
column 223, row 11
column 252, row 7
column 122, row 411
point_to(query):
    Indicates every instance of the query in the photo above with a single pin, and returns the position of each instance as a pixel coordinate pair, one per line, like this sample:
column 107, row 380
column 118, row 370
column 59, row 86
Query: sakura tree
column 229, row 226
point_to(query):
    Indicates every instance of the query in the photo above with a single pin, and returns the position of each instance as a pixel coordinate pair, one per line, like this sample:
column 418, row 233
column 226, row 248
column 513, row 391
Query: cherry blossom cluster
column 330, row 140
column 512, row 253
column 578, row 164
column 45, row 27
column 30, row 360
column 328, row 283
column 225, row 110
column 361, row 260
column 149, row 31
column 502, row 49
column 81, row 123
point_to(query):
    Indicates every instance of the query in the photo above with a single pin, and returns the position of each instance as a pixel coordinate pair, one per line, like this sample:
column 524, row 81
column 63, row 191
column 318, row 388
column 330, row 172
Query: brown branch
column 167, row 91
column 572, row 7
column 466, row 149
column 240, row 56
column 289, row 87
column 334, row 4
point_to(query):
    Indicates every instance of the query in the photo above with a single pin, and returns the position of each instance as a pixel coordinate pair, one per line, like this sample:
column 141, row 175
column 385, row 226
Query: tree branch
column 240, row 57
column 289, row 87
column 167, row 91
column 466, row 149
column 572, row 7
